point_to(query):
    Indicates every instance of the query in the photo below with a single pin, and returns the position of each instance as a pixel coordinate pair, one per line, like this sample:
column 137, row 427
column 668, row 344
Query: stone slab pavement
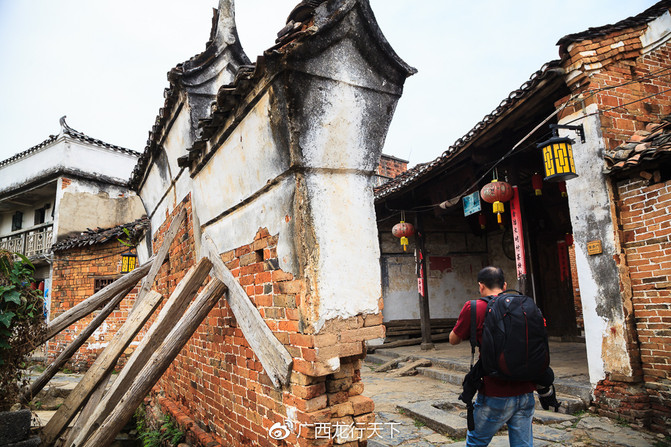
column 400, row 401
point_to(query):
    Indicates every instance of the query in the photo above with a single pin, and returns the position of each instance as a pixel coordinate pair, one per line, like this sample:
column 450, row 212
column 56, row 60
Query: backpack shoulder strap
column 474, row 325
column 510, row 291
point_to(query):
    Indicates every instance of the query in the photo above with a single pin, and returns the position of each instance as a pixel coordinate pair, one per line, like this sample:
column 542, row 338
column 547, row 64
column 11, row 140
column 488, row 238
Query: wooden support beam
column 161, row 255
column 272, row 354
column 96, row 300
column 167, row 319
column 102, row 365
column 156, row 366
column 51, row 370
column 408, row 342
column 88, row 410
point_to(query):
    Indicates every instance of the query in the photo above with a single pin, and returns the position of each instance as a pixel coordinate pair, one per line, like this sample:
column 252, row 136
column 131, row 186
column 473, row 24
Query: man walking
column 499, row 401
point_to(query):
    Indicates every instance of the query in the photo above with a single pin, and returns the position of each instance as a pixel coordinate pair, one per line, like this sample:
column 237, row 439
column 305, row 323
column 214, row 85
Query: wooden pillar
column 422, row 285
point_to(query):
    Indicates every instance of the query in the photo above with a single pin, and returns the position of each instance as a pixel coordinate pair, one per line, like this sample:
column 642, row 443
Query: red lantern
column 568, row 239
column 483, row 221
column 562, row 189
column 403, row 230
column 496, row 193
column 537, row 183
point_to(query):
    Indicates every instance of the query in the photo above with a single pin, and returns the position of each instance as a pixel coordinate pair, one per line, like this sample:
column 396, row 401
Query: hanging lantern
column 496, row 193
column 568, row 239
column 483, row 221
column 403, row 230
column 128, row 262
column 558, row 154
column 537, row 183
column 562, row 188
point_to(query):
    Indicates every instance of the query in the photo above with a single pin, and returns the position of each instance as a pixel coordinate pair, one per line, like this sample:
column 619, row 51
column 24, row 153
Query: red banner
column 564, row 268
column 518, row 233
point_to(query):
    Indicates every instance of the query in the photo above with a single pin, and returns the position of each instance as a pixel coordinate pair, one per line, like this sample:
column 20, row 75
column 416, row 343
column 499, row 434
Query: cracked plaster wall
column 590, row 201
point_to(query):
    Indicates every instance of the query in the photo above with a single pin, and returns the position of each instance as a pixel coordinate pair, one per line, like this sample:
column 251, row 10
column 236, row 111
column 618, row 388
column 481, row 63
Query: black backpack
column 514, row 343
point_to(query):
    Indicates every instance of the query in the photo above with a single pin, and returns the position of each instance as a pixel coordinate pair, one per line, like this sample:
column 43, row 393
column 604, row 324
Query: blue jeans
column 490, row 413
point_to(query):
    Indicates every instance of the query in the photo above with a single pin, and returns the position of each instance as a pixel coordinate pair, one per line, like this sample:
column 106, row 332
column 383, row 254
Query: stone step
column 442, row 374
column 449, row 418
column 375, row 359
column 573, row 396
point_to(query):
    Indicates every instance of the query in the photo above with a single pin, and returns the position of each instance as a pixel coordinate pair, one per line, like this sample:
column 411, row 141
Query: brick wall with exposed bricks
column 216, row 388
column 74, row 276
column 645, row 217
column 631, row 92
column 391, row 166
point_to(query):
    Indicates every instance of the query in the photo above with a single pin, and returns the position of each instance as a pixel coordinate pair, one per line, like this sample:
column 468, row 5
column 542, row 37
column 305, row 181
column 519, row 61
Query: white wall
column 86, row 204
column 599, row 281
column 67, row 154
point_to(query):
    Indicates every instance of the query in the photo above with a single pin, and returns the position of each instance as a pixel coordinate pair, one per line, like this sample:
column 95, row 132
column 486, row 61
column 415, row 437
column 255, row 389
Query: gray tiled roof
column 515, row 97
column 650, row 147
column 103, row 235
column 72, row 133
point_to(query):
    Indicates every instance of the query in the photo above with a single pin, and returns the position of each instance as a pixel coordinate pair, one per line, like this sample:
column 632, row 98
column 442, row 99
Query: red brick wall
column 216, row 388
column 627, row 84
column 577, row 300
column 630, row 92
column 645, row 217
column 73, row 279
column 391, row 166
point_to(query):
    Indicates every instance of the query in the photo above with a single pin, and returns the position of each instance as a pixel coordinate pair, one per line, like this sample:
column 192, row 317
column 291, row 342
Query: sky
column 104, row 63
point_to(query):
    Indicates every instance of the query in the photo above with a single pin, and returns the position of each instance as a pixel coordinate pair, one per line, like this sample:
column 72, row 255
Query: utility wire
column 572, row 100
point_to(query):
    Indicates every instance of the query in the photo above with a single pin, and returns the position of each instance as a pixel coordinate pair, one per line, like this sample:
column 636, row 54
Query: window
column 17, row 221
column 101, row 283
column 39, row 216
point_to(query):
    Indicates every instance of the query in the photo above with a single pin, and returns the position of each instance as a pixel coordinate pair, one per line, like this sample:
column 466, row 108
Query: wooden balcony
column 31, row 242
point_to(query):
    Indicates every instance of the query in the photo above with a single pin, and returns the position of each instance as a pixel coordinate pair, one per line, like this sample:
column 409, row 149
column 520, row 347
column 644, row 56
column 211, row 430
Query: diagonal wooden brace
column 272, row 354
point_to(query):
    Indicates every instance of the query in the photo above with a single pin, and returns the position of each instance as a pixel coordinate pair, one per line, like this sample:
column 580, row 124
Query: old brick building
column 81, row 266
column 261, row 155
column 60, row 188
column 615, row 81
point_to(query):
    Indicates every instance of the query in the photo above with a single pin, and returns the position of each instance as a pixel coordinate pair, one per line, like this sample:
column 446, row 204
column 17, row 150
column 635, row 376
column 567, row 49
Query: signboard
column 594, row 248
column 518, row 233
column 471, row 203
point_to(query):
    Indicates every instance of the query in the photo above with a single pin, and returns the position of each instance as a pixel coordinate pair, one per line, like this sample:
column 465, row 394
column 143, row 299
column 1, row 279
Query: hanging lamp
column 496, row 193
column 537, row 184
column 403, row 230
column 558, row 154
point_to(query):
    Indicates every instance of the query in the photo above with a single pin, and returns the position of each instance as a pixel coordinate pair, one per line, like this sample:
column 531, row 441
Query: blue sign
column 471, row 203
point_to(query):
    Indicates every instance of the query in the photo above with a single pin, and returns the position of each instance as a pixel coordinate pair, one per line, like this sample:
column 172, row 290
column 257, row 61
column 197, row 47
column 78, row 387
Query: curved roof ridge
column 69, row 131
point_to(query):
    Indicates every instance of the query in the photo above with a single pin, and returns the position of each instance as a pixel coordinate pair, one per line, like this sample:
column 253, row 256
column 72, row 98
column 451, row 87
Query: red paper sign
column 518, row 233
column 564, row 268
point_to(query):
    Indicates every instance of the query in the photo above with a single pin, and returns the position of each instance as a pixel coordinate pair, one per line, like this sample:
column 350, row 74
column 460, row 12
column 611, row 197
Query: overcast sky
column 104, row 63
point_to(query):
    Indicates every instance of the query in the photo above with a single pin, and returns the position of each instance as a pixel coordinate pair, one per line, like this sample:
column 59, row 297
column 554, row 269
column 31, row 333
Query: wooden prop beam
column 96, row 300
column 156, row 366
column 88, row 410
column 99, row 369
column 272, row 354
column 167, row 319
column 55, row 366
column 161, row 255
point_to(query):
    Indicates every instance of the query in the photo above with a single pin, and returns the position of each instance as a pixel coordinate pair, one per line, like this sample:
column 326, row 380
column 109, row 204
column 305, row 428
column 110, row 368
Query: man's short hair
column 491, row 277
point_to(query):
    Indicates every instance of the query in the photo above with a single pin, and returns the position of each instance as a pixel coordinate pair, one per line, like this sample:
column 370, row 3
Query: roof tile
column 103, row 235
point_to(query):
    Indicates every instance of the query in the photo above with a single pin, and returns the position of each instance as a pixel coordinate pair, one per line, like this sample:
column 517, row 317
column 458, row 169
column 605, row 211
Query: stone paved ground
column 580, row 430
